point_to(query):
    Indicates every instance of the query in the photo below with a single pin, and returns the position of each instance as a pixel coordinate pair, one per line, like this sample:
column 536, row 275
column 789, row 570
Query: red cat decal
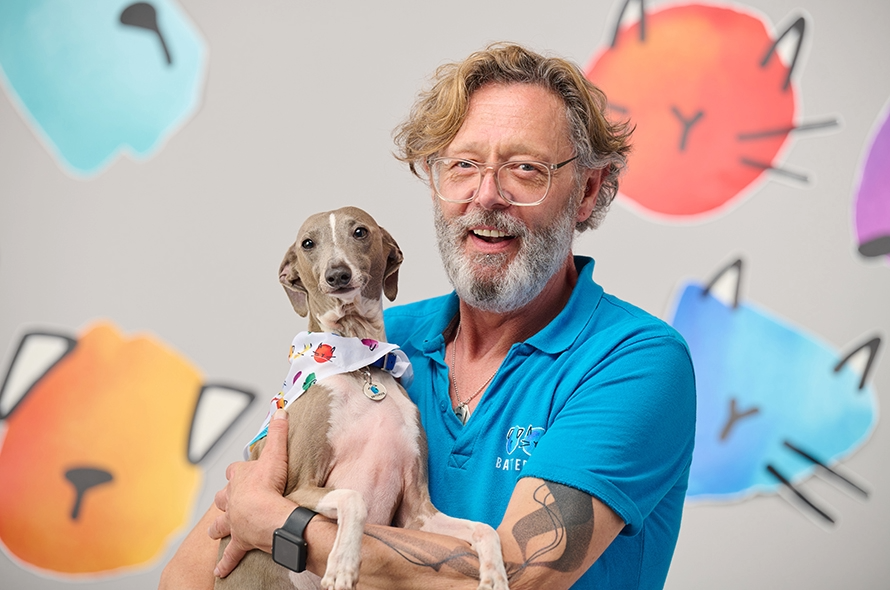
column 712, row 101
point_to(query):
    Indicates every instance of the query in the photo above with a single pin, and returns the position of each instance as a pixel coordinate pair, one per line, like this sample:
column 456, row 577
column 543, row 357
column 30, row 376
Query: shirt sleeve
column 624, row 429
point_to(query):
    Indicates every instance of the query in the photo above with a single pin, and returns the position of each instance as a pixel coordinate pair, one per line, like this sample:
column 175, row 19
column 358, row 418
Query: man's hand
column 252, row 504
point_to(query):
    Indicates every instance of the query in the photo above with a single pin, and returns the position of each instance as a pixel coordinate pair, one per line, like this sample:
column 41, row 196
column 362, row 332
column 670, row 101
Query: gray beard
column 487, row 281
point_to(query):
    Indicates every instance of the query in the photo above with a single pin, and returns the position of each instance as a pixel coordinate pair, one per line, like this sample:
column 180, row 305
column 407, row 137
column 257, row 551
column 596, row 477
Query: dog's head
column 340, row 257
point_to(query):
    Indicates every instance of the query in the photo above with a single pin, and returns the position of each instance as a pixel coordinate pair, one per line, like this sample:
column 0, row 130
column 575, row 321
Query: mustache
column 497, row 219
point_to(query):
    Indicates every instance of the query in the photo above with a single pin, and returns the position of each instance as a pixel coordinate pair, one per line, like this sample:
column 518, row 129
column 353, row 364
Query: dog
column 351, row 458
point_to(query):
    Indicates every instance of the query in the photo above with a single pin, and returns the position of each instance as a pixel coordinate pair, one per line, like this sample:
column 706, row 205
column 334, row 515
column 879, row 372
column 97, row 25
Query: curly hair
column 439, row 112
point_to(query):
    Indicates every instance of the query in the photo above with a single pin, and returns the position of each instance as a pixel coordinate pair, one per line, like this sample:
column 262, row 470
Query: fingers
column 276, row 440
column 221, row 500
column 219, row 528
column 248, row 501
column 230, row 558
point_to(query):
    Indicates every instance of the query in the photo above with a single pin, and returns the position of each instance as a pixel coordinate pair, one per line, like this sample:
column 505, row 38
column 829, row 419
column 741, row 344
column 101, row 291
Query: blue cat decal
column 774, row 403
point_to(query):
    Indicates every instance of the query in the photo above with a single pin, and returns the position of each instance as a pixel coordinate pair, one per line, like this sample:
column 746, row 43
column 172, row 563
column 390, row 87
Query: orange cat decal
column 99, row 456
column 712, row 101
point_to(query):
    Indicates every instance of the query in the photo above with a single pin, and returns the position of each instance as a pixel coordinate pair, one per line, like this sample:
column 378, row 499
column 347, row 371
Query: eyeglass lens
column 519, row 182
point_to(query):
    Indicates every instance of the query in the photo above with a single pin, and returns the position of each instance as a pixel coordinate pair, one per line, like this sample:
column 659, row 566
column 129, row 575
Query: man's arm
column 550, row 535
column 250, row 508
column 191, row 567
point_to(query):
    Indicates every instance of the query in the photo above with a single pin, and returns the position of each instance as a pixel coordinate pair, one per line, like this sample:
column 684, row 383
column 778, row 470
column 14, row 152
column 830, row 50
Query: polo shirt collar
column 565, row 328
column 559, row 334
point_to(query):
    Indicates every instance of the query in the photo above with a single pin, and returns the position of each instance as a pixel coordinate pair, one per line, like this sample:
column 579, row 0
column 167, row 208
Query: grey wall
column 298, row 108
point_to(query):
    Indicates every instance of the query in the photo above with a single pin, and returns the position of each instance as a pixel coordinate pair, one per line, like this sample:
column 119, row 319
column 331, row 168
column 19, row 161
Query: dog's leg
column 348, row 508
column 485, row 541
column 418, row 512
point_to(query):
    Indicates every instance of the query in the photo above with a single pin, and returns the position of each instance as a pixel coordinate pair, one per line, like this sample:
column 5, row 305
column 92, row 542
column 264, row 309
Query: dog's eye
column 360, row 233
column 307, row 244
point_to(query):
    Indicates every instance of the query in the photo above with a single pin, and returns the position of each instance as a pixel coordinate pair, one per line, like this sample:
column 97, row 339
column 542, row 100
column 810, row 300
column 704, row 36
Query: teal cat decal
column 95, row 80
column 775, row 404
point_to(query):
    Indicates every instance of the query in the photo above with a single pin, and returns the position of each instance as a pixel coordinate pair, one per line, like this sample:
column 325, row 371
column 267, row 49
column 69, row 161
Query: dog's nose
column 338, row 276
column 83, row 479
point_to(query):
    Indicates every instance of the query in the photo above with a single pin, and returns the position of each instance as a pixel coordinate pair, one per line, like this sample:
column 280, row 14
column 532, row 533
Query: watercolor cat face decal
column 99, row 456
column 712, row 101
column 872, row 208
column 774, row 403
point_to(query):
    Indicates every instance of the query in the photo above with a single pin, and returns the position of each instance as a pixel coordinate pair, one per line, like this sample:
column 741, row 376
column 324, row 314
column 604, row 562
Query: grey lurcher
column 352, row 459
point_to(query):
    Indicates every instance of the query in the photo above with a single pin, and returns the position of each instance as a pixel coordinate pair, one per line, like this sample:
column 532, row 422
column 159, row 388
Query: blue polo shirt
column 602, row 400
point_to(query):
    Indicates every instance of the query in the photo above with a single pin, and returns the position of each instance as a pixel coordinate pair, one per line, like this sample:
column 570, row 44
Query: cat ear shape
column 217, row 410
column 726, row 284
column 37, row 353
column 799, row 27
column 861, row 359
column 623, row 17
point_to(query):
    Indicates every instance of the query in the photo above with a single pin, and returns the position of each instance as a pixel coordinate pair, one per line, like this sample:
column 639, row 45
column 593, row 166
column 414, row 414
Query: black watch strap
column 288, row 545
column 298, row 520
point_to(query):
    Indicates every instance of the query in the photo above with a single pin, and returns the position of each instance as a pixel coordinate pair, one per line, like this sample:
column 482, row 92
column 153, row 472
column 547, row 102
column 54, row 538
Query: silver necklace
column 462, row 411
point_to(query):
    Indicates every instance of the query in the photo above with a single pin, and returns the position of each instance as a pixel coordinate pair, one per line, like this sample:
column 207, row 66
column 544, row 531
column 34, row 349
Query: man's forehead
column 513, row 119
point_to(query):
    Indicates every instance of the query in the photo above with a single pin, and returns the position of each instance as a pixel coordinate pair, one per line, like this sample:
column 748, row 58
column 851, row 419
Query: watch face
column 289, row 550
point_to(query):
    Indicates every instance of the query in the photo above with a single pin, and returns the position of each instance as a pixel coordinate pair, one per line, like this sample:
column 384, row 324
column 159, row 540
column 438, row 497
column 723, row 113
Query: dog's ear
column 293, row 285
column 393, row 262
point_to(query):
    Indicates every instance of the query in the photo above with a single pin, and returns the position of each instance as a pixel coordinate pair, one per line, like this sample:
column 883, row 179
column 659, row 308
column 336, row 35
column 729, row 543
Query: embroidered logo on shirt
column 523, row 438
column 519, row 437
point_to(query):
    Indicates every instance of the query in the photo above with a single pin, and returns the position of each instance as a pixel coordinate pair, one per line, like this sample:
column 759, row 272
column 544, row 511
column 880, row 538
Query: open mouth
column 492, row 236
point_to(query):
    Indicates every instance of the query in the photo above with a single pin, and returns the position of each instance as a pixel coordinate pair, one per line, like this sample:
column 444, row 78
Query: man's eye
column 307, row 244
column 360, row 233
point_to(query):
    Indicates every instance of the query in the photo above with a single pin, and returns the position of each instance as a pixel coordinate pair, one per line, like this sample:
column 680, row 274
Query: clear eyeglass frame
column 496, row 169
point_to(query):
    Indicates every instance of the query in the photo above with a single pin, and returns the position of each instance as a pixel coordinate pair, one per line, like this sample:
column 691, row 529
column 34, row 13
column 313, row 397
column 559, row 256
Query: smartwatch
column 288, row 545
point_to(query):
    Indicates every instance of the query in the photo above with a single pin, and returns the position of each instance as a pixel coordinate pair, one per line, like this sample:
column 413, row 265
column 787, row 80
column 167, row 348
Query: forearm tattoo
column 561, row 529
column 556, row 536
column 427, row 554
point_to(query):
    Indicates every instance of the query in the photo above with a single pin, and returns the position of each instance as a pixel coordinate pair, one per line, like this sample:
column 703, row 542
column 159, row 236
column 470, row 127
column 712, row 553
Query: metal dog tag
column 374, row 391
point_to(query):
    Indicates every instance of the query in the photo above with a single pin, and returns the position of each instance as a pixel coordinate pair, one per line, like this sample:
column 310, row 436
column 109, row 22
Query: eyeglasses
column 519, row 183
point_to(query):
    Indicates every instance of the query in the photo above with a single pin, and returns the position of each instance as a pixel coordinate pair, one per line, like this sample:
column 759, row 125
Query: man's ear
column 289, row 277
column 393, row 262
column 591, row 191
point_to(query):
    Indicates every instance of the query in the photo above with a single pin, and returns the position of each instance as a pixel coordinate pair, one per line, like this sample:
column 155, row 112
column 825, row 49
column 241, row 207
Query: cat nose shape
column 84, row 479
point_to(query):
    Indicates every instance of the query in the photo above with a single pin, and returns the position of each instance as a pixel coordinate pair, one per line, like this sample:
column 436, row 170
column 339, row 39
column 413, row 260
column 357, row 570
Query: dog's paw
column 492, row 573
column 340, row 581
column 492, row 576
column 342, row 573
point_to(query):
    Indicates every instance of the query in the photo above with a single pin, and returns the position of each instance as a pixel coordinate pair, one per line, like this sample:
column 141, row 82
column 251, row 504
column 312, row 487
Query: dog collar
column 316, row 355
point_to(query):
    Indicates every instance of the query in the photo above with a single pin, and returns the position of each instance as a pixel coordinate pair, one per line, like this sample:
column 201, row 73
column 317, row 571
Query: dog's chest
column 375, row 444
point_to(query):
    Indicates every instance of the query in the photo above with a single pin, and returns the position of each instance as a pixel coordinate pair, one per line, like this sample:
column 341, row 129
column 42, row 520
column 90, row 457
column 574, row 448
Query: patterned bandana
column 316, row 355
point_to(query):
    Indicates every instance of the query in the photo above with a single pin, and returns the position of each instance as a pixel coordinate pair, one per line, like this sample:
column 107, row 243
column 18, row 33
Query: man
column 555, row 412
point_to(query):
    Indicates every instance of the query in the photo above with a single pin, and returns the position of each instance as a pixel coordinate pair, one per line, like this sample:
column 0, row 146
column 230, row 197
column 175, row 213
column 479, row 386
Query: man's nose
column 488, row 196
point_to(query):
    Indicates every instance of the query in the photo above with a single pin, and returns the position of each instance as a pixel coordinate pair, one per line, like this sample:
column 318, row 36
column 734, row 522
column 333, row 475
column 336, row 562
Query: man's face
column 499, row 256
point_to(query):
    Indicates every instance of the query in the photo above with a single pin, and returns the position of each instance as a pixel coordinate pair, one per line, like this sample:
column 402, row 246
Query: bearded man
column 555, row 412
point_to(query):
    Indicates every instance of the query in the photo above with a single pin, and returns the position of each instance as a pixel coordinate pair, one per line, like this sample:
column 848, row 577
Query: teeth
column 490, row 233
